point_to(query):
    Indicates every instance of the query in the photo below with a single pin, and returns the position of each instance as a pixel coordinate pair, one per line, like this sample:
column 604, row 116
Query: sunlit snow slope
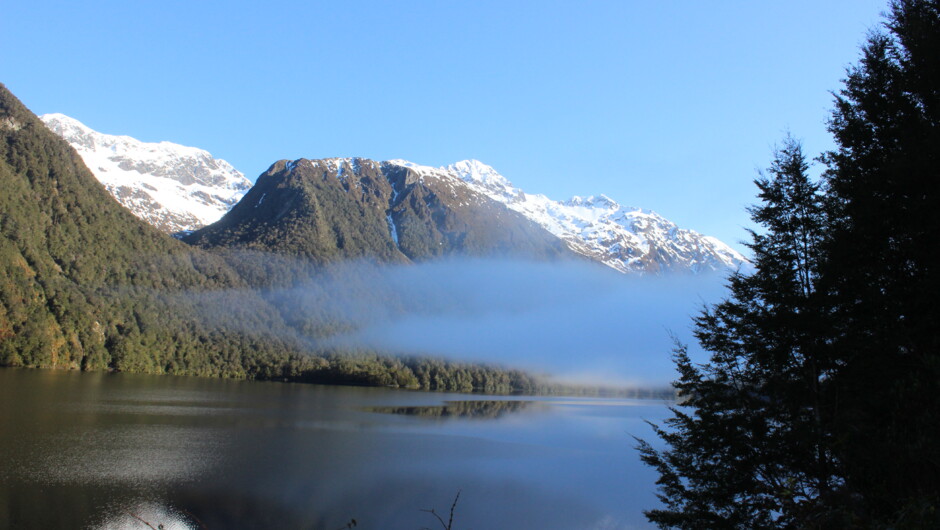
column 173, row 187
column 626, row 239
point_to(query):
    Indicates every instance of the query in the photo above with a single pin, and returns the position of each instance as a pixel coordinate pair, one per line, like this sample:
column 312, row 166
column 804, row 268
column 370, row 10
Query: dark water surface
column 118, row 451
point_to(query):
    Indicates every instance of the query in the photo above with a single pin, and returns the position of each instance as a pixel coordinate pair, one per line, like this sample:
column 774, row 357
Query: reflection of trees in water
column 462, row 409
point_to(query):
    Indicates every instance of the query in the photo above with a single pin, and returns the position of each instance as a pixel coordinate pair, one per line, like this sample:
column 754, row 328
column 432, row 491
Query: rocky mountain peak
column 480, row 173
column 593, row 201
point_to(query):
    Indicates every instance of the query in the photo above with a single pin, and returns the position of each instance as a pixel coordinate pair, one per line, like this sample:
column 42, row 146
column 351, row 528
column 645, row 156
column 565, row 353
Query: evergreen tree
column 749, row 454
column 880, row 270
column 821, row 403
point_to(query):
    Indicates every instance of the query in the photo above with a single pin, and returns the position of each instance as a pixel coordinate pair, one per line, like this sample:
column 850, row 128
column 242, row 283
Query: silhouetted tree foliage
column 819, row 404
column 880, row 271
column 750, row 449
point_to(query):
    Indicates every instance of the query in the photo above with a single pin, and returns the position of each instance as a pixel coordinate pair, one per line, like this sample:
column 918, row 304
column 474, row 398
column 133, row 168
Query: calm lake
column 124, row 451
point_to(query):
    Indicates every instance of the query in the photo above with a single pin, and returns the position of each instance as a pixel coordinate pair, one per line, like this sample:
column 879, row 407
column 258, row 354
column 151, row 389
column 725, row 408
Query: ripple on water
column 134, row 454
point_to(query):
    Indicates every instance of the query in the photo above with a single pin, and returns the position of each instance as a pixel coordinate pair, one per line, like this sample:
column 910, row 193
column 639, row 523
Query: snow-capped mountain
column 173, row 187
column 626, row 239
column 181, row 189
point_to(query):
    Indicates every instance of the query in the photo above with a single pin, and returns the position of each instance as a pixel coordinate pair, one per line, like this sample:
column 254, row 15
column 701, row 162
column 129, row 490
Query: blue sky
column 664, row 105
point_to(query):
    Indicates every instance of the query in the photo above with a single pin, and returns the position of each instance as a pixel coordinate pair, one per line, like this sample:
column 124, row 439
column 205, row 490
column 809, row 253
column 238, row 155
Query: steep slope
column 85, row 284
column 342, row 208
column 626, row 239
column 173, row 187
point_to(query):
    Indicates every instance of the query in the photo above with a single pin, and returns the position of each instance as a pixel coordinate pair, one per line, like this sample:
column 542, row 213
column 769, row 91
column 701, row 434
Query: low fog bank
column 577, row 322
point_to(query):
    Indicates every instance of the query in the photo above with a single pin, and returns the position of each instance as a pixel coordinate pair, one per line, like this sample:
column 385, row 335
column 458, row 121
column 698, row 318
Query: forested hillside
column 86, row 285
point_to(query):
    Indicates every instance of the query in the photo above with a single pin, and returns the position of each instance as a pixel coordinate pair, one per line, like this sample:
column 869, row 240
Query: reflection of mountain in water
column 462, row 409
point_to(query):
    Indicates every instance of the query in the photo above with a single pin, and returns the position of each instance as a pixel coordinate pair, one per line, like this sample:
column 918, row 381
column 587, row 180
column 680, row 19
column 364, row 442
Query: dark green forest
column 820, row 404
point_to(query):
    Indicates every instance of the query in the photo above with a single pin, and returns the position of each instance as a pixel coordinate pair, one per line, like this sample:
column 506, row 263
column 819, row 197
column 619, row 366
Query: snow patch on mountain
column 173, row 187
column 624, row 238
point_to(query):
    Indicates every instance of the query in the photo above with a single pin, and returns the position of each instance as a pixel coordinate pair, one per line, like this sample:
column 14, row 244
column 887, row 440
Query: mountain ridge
column 183, row 189
column 630, row 240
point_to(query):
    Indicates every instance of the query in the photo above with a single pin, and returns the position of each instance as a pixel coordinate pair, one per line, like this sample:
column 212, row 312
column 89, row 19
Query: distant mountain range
column 392, row 211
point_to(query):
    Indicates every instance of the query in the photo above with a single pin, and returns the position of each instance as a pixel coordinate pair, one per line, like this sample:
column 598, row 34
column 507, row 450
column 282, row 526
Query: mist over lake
column 574, row 321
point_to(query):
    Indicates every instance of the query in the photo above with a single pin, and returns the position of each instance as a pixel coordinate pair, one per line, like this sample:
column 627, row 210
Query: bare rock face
column 173, row 187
